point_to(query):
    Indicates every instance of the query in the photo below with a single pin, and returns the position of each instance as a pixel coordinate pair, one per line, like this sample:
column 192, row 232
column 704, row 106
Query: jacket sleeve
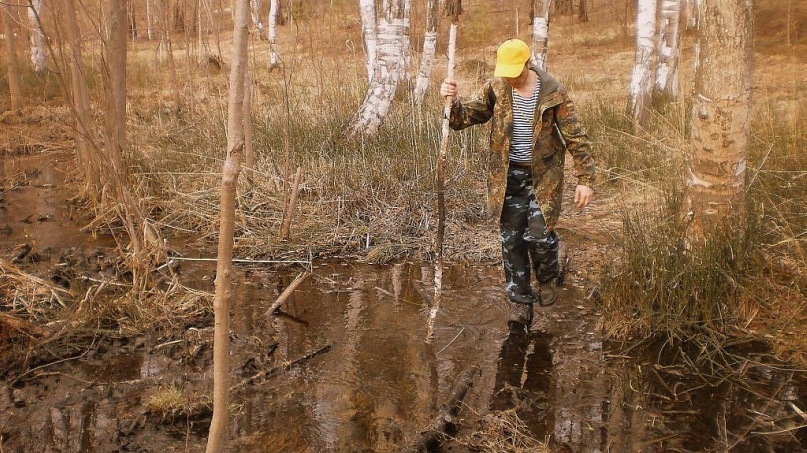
column 475, row 110
column 574, row 134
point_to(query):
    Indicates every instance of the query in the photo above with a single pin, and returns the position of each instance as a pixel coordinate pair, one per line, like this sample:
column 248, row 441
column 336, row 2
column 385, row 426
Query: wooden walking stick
column 453, row 7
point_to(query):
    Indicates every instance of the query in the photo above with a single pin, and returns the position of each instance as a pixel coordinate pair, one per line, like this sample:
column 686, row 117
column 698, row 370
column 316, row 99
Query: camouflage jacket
column 557, row 128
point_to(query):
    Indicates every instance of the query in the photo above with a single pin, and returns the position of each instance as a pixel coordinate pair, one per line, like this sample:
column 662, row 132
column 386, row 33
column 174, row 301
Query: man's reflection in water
column 524, row 378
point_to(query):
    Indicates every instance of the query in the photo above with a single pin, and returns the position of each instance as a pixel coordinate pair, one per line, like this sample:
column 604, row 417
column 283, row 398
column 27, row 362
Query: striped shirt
column 523, row 113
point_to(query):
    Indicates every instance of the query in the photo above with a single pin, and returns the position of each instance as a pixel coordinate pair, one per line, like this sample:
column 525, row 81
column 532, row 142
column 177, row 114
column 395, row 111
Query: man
column 533, row 123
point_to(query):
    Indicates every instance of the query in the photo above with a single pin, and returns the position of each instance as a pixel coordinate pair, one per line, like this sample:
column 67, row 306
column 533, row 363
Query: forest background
column 373, row 197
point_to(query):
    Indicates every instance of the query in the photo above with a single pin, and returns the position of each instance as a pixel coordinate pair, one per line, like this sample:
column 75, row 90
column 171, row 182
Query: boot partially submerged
column 521, row 314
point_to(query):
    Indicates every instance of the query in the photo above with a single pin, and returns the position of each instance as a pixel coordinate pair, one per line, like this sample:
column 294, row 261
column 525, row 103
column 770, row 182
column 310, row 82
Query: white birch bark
column 274, row 8
column 641, row 79
column 149, row 21
column 39, row 55
column 721, row 118
column 406, row 51
column 369, row 31
column 668, row 48
column 433, row 8
column 255, row 10
column 540, row 32
column 388, row 69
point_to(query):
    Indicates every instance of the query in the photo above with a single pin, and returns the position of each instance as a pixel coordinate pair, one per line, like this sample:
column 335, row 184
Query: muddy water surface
column 343, row 366
column 371, row 383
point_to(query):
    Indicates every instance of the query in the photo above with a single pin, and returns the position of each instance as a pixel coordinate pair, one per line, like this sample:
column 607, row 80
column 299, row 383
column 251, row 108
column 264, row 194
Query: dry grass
column 502, row 432
column 374, row 199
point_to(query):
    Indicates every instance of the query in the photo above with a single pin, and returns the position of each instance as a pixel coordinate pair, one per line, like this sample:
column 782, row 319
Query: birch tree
column 274, row 10
column 255, row 13
column 429, row 49
column 642, row 77
column 236, row 119
column 689, row 14
column 12, row 67
column 369, row 32
column 149, row 20
column 39, row 55
column 540, row 31
column 721, row 118
column 668, row 48
column 388, row 69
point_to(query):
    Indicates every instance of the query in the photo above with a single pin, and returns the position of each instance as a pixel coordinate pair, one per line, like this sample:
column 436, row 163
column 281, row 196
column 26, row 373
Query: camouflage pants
column 525, row 241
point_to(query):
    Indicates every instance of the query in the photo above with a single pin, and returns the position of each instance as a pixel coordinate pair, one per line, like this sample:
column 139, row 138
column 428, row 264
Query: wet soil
column 344, row 365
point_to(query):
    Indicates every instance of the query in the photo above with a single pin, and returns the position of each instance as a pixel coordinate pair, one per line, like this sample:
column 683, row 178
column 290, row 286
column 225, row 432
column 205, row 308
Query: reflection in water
column 523, row 378
column 339, row 403
column 551, row 383
column 380, row 385
column 379, row 380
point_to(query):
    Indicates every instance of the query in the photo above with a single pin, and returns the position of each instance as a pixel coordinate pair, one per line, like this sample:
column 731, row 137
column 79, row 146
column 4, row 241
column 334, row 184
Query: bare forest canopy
column 333, row 26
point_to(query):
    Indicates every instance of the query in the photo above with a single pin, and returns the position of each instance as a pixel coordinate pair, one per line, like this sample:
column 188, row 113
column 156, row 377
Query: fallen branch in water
column 287, row 292
column 203, row 408
column 277, row 369
column 437, row 429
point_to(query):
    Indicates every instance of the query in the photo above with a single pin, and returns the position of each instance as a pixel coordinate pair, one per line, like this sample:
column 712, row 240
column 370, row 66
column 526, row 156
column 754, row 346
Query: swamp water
column 343, row 367
column 367, row 381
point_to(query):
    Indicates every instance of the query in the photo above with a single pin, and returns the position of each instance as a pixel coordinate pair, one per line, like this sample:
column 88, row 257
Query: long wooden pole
column 441, row 178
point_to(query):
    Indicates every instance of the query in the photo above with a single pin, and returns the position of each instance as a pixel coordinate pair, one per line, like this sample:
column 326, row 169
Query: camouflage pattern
column 524, row 236
column 557, row 128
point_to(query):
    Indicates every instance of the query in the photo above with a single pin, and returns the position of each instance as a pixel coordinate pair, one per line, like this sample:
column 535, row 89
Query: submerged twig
column 244, row 260
column 285, row 367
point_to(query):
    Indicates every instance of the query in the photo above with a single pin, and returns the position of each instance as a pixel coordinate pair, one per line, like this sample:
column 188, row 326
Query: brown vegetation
column 375, row 199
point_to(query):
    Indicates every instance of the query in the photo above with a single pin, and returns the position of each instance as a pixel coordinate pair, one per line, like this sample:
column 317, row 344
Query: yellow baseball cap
column 510, row 58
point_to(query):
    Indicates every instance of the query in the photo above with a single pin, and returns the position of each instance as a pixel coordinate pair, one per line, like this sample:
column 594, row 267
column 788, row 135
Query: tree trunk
column 429, row 49
column 84, row 135
column 582, row 11
column 255, row 11
column 149, row 20
column 406, row 51
column 540, row 31
column 162, row 24
column 721, row 119
column 116, row 81
column 132, row 17
column 388, row 72
column 39, row 55
column 641, row 79
column 14, row 85
column 369, row 32
column 689, row 14
column 232, row 166
column 668, row 49
column 127, row 207
column 274, row 9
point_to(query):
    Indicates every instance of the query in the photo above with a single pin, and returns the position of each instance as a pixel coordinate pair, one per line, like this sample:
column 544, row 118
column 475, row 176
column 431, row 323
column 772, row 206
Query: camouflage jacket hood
column 556, row 128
